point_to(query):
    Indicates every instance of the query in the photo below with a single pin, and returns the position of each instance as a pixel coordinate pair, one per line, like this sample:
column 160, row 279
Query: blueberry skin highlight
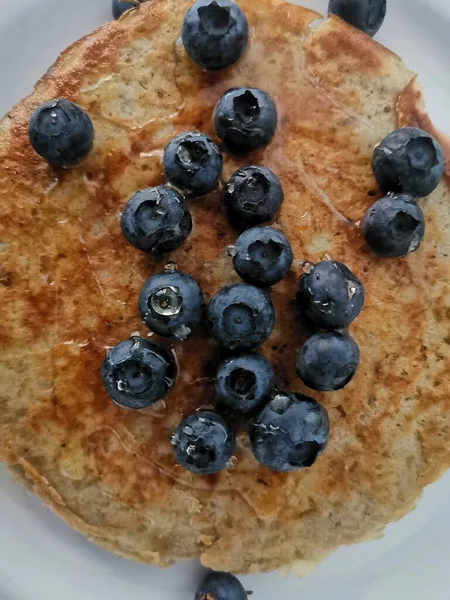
column 171, row 304
column 156, row 220
column 137, row 373
column 244, row 382
column 203, row 443
column 61, row 132
column 393, row 226
column 328, row 361
column 193, row 163
column 408, row 161
column 240, row 317
column 253, row 196
column 245, row 119
column 215, row 33
column 290, row 432
column 263, row 256
column 330, row 295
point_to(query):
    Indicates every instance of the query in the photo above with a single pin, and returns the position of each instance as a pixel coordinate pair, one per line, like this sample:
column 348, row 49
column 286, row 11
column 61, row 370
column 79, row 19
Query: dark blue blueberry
column 215, row 33
column 328, row 361
column 120, row 6
column 203, row 443
column 245, row 119
column 137, row 373
column 408, row 161
column 61, row 132
column 221, row 586
column 245, row 382
column 156, row 220
column 367, row 15
column 193, row 163
column 393, row 226
column 263, row 256
column 330, row 295
column 240, row 317
column 171, row 304
column 253, row 196
column 290, row 432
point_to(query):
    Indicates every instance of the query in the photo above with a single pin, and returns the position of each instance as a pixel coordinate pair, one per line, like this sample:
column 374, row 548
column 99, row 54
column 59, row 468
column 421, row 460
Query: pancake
column 70, row 281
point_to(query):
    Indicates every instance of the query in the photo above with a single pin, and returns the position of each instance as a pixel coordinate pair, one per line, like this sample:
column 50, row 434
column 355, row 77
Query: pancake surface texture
column 69, row 284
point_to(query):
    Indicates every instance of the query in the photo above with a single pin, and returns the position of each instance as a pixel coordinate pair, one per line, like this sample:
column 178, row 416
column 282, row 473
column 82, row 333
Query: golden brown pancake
column 69, row 286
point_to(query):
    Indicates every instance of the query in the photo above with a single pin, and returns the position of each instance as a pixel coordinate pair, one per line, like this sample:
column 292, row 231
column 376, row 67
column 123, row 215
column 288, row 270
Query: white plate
column 43, row 559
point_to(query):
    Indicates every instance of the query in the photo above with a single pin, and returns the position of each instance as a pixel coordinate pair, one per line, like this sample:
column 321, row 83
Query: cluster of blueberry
column 240, row 317
column 291, row 430
column 408, row 164
column 331, row 297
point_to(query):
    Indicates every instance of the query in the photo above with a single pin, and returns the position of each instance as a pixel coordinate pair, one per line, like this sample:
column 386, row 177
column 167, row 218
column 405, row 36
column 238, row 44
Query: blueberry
column 120, row 6
column 253, row 196
column 61, row 132
column 171, row 304
column 215, row 33
column 328, row 361
column 240, row 316
column 156, row 220
column 408, row 161
column 290, row 432
column 263, row 256
column 367, row 15
column 245, row 119
column 330, row 295
column 221, row 586
column 193, row 163
column 245, row 382
column 203, row 443
column 393, row 226
column 137, row 373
